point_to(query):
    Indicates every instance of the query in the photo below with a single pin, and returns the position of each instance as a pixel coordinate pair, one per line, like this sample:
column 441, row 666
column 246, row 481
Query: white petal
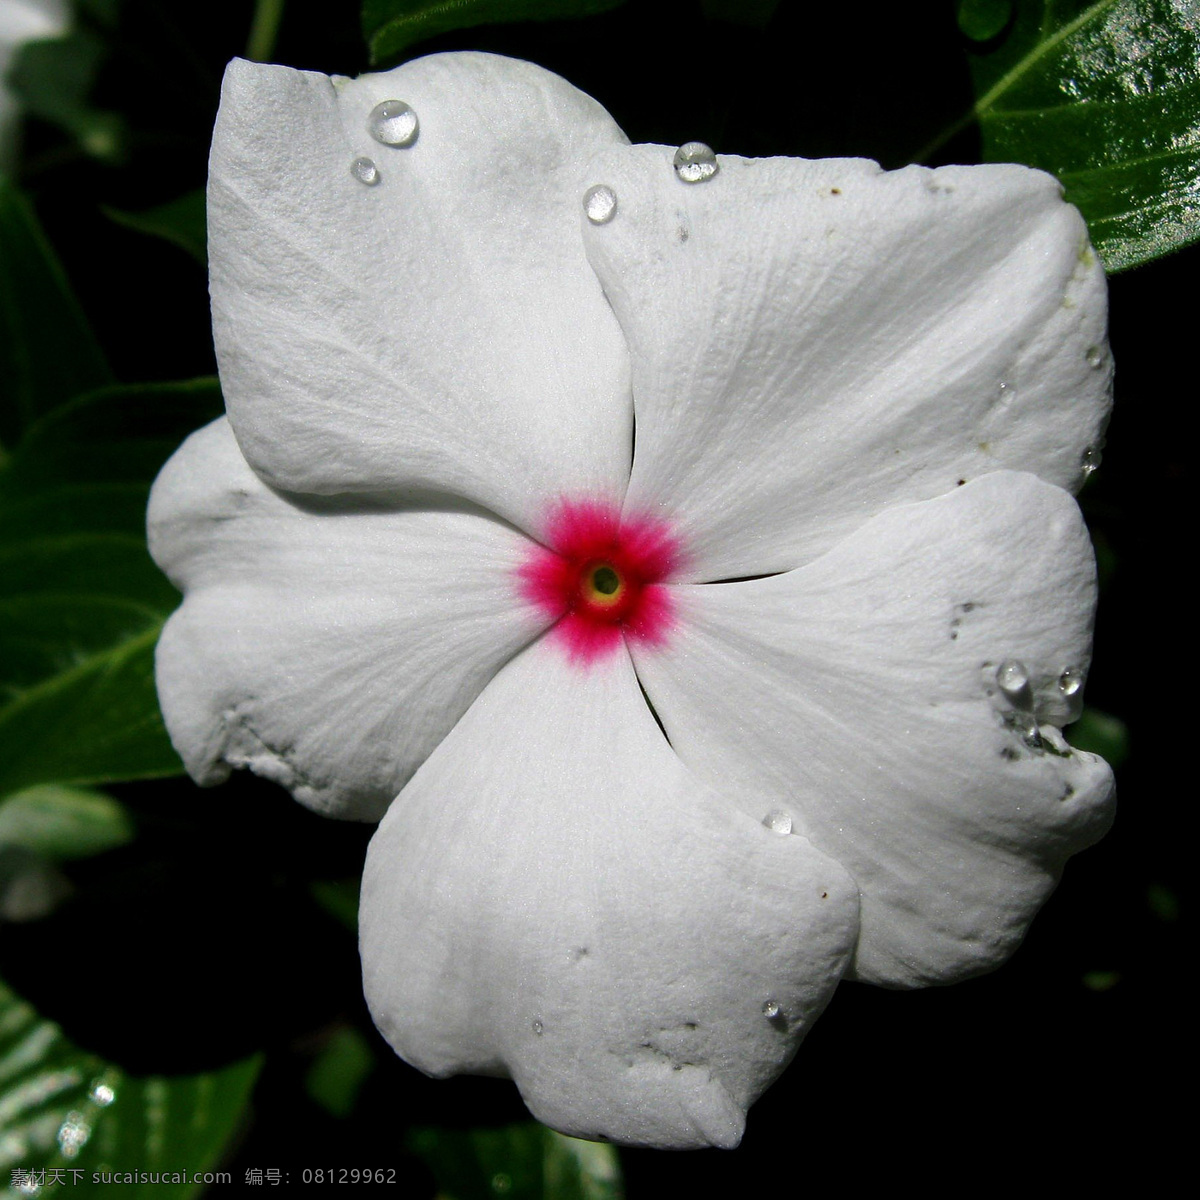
column 327, row 647
column 861, row 693
column 28, row 20
column 815, row 341
column 441, row 328
column 555, row 897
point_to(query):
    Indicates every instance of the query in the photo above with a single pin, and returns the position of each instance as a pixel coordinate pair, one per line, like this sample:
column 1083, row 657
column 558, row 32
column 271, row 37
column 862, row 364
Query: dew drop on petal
column 1070, row 681
column 393, row 123
column 1026, row 725
column 364, row 170
column 695, row 162
column 1095, row 356
column 778, row 821
column 600, row 204
column 771, row 1010
column 538, row 1027
column 1089, row 461
column 1012, row 678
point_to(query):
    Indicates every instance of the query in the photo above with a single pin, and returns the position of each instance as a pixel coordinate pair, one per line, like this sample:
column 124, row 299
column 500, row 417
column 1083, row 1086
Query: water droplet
column 1026, row 725
column 1012, row 677
column 1089, row 460
column 1070, row 681
column 102, row 1094
column 501, row 1182
column 364, row 170
column 600, row 204
column 393, row 123
column 1005, row 392
column 778, row 821
column 695, row 162
column 538, row 1028
column 73, row 1134
column 1095, row 356
column 771, row 1010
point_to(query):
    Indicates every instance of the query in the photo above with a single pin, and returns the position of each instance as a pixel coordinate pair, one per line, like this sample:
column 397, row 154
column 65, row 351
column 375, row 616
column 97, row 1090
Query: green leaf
column 1107, row 97
column 94, row 724
column 982, row 20
column 53, row 79
column 47, row 352
column 1163, row 902
column 519, row 1162
column 81, row 602
column 104, row 12
column 391, row 26
column 336, row 1077
column 339, row 898
column 64, row 1110
column 181, row 221
column 575, row 1168
column 62, row 823
column 1099, row 733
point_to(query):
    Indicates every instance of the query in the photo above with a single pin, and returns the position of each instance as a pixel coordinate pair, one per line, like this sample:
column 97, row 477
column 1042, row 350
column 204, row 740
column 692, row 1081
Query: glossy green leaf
column 63, row 1110
column 391, row 26
column 81, row 603
column 47, row 352
column 519, row 1162
column 1106, row 96
column 181, row 221
column 62, row 823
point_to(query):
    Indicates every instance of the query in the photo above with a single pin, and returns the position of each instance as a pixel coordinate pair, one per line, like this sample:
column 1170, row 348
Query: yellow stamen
column 604, row 585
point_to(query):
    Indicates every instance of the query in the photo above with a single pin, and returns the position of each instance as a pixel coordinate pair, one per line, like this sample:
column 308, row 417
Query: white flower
column 844, row 566
column 22, row 21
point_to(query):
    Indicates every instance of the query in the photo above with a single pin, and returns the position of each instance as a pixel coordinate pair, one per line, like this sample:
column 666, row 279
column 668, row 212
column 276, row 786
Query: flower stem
column 260, row 45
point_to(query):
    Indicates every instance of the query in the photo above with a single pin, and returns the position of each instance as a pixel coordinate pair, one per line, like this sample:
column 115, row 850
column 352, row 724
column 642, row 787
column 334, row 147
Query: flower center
column 600, row 577
column 604, row 584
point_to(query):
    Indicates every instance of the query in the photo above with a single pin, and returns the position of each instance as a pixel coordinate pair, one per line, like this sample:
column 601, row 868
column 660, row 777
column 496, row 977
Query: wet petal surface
column 871, row 695
column 815, row 341
column 422, row 313
column 555, row 897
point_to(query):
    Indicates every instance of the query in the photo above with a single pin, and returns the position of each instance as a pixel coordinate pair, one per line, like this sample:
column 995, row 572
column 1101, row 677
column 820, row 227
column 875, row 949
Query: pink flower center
column 599, row 577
